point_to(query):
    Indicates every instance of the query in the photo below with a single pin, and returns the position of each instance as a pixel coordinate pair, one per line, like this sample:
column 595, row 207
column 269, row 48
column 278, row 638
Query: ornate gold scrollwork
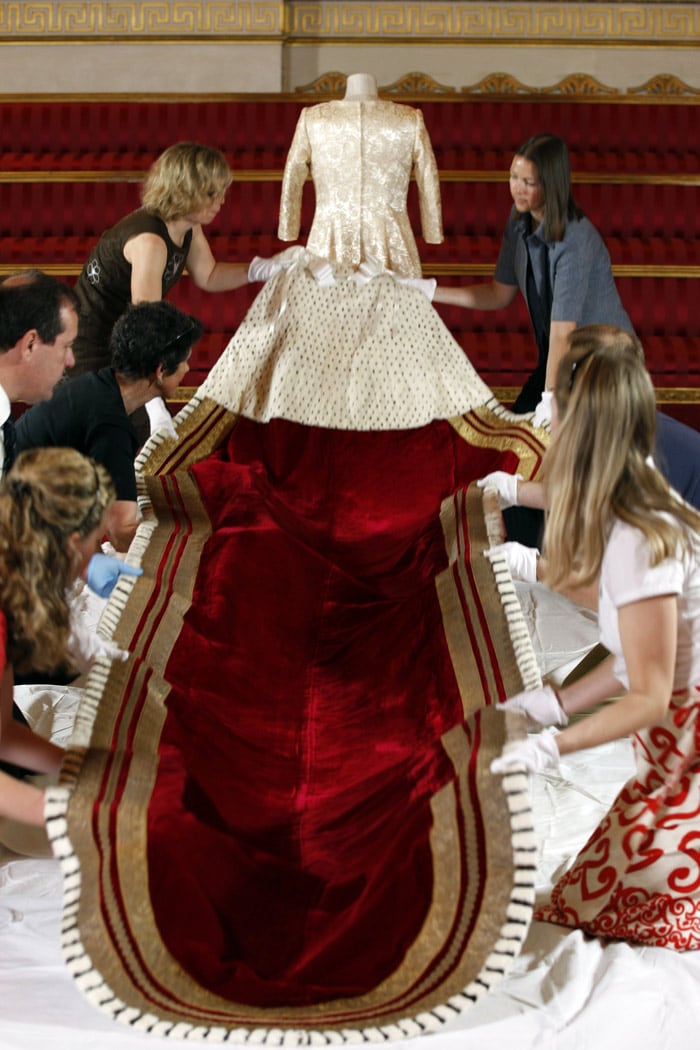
column 332, row 84
column 576, row 85
column 665, row 85
column 417, row 84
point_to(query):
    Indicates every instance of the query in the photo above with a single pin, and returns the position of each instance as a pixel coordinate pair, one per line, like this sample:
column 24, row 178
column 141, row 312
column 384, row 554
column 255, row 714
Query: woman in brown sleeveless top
column 144, row 254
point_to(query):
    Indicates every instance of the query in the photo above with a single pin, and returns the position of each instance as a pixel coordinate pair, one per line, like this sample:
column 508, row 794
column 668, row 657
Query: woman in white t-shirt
column 612, row 518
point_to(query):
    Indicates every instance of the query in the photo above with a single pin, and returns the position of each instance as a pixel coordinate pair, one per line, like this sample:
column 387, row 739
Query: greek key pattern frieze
column 150, row 18
column 479, row 22
column 471, row 22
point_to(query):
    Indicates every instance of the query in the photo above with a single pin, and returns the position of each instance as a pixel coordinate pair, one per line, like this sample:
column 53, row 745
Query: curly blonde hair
column 599, row 467
column 48, row 495
column 181, row 179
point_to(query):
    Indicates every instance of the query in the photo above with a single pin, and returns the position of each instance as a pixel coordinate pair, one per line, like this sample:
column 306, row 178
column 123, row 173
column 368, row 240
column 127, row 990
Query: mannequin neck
column 361, row 87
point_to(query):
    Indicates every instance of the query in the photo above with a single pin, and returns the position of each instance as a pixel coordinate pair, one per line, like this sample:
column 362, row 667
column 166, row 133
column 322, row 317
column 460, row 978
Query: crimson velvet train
column 284, row 817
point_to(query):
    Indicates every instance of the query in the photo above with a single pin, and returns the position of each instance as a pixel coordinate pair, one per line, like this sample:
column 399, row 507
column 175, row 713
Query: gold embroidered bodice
column 361, row 156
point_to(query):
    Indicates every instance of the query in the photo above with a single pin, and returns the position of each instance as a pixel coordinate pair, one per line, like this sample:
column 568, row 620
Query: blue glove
column 104, row 571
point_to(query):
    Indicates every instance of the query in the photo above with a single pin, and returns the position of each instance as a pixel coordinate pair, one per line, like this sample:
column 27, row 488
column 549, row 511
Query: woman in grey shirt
column 556, row 257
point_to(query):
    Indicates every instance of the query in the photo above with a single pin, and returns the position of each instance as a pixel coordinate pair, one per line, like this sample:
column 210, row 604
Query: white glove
column 371, row 267
column 261, row 269
column 543, row 412
column 536, row 753
column 426, row 285
column 522, row 560
column 159, row 417
column 541, row 705
column 85, row 646
column 505, row 484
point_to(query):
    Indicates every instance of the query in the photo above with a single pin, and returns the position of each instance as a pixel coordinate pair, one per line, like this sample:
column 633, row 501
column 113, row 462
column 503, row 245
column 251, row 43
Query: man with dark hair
column 38, row 323
column 93, row 412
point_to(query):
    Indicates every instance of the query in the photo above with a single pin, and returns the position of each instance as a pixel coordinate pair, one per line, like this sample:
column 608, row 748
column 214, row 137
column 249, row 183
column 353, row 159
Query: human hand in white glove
column 543, row 411
column 426, row 285
column 541, row 705
column 104, row 571
column 505, row 484
column 536, row 753
column 159, row 417
column 261, row 269
column 522, row 560
column 85, row 645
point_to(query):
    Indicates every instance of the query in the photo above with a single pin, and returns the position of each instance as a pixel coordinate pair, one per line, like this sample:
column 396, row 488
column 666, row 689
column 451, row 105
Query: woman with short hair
column 145, row 253
column 151, row 344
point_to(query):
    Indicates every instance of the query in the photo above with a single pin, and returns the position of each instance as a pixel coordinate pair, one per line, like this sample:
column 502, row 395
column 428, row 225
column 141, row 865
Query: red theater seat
column 73, row 167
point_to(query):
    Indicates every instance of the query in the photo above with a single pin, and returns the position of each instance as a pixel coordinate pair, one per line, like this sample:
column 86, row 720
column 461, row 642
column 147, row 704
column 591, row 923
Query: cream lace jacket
column 361, row 156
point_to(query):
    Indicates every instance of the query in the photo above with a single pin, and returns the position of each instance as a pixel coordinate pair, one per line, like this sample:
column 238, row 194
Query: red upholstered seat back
column 71, row 168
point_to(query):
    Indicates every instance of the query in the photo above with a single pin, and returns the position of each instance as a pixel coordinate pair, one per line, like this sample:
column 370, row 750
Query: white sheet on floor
column 565, row 992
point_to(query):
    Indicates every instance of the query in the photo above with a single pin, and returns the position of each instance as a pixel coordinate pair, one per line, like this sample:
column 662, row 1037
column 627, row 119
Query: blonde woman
column 676, row 454
column 144, row 254
column 614, row 521
column 52, row 510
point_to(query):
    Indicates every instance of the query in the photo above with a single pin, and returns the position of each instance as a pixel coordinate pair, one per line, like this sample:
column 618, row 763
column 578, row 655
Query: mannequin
column 361, row 87
column 360, row 212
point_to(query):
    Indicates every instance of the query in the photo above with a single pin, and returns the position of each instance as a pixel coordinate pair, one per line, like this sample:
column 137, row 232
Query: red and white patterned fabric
column 638, row 876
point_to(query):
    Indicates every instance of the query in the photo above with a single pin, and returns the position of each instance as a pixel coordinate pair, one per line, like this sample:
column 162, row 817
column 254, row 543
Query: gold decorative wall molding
column 301, row 22
column 575, row 84
column 96, row 21
column 665, row 85
column 416, row 86
column 476, row 23
column 329, row 85
column 581, row 85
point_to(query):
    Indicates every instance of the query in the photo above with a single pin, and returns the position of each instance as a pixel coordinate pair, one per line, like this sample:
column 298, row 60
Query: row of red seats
column 479, row 132
column 651, row 228
column 466, row 253
column 628, row 211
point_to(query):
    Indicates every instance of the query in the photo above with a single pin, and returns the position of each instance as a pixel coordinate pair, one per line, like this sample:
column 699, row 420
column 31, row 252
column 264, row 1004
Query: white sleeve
column 296, row 170
column 627, row 574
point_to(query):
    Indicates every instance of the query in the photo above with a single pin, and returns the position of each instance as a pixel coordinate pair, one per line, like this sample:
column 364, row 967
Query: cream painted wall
column 143, row 68
column 206, row 46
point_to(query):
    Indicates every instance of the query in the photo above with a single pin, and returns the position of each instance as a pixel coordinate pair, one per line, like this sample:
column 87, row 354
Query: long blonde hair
column 179, row 180
column 49, row 494
column 598, row 467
